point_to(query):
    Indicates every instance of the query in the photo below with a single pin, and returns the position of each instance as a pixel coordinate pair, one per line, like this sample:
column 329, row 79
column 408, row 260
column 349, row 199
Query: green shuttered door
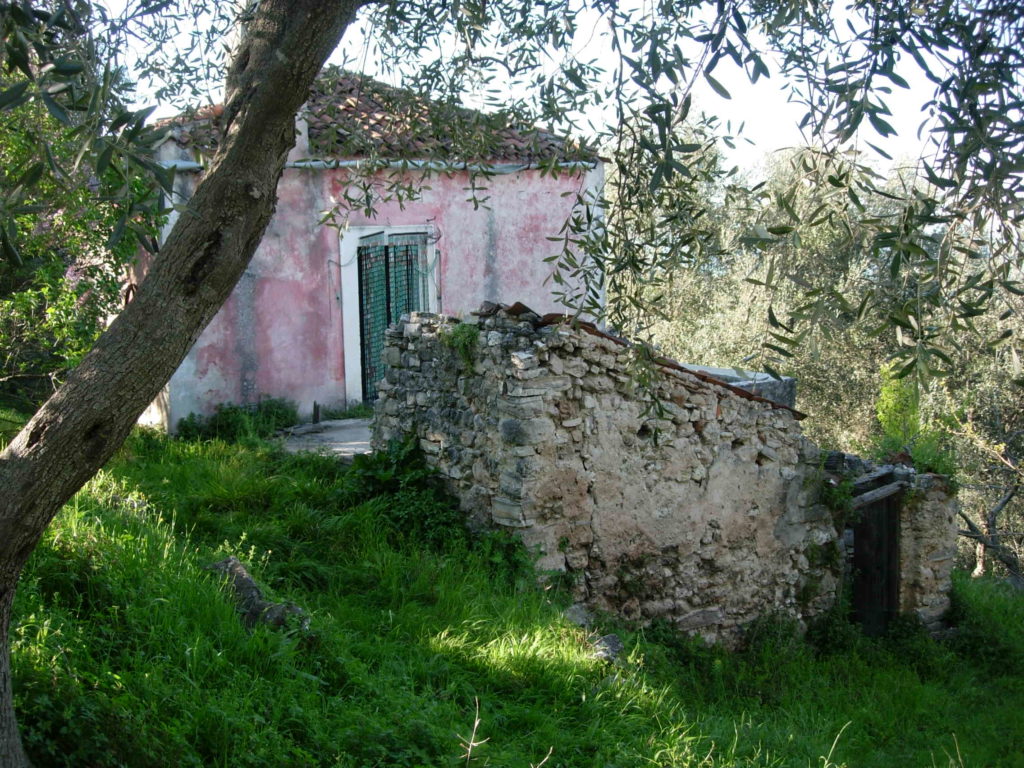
column 392, row 282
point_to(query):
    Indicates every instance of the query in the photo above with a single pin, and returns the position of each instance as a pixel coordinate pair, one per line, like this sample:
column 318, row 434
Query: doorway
column 385, row 273
column 876, row 560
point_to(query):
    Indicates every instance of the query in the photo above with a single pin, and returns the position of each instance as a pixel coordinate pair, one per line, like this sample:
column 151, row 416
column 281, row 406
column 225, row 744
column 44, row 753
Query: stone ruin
column 916, row 515
column 688, row 499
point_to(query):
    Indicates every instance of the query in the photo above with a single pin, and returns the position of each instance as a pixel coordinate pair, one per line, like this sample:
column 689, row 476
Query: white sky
column 771, row 122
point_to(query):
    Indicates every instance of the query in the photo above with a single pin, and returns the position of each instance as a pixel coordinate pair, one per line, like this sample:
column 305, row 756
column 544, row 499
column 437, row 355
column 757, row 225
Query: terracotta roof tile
column 353, row 116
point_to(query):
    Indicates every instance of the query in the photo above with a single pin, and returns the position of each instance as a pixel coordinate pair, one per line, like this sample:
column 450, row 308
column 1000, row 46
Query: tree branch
column 1007, row 557
column 1001, row 504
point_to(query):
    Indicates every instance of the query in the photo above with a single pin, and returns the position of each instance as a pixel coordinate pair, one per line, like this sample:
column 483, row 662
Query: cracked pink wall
column 280, row 333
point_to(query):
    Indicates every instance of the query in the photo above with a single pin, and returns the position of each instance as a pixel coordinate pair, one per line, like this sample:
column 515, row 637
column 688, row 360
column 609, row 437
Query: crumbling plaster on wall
column 281, row 333
column 705, row 515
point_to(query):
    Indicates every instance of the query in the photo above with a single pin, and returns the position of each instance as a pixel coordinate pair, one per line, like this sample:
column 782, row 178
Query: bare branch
column 1006, row 556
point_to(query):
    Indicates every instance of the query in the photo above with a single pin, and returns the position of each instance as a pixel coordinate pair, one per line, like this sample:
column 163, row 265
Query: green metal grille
column 392, row 281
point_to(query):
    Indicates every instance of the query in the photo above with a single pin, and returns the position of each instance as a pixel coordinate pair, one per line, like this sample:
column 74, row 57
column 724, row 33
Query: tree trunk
column 77, row 430
column 997, row 549
column 11, row 752
column 991, row 536
column 979, row 560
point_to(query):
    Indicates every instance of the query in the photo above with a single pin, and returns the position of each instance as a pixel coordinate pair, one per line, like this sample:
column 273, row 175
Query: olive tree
column 77, row 429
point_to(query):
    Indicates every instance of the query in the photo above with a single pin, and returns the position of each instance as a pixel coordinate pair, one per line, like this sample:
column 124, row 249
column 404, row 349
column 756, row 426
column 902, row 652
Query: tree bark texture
column 999, row 550
column 11, row 753
column 78, row 429
column 991, row 532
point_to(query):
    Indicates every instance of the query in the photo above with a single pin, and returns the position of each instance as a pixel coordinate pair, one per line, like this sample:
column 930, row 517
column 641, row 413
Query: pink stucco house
column 306, row 321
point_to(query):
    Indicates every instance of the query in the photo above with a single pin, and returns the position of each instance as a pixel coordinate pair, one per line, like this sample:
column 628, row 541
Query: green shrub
column 899, row 417
column 932, row 451
column 909, row 642
column 66, row 251
column 427, row 515
column 399, row 467
column 417, row 506
column 833, row 632
column 235, row 423
column 898, row 407
column 989, row 620
column 507, row 558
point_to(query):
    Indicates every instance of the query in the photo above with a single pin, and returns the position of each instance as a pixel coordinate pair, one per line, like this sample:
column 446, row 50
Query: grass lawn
column 430, row 647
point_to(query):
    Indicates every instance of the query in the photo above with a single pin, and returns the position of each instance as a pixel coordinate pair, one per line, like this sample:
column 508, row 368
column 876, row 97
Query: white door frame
column 349, row 269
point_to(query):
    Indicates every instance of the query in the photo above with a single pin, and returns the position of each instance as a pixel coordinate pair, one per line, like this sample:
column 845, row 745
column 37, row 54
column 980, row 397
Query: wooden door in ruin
column 392, row 282
column 876, row 562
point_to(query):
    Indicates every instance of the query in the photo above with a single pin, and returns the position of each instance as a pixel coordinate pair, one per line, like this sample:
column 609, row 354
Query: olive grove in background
column 738, row 301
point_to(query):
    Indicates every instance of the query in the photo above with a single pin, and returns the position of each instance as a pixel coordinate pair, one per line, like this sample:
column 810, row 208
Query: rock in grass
column 608, row 647
column 251, row 604
column 579, row 615
column 303, row 429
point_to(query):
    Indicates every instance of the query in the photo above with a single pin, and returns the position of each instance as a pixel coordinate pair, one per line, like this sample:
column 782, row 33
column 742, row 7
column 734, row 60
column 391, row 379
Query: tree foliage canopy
column 540, row 63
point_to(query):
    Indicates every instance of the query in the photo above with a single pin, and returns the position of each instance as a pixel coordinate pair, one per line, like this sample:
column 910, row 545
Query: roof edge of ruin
column 523, row 312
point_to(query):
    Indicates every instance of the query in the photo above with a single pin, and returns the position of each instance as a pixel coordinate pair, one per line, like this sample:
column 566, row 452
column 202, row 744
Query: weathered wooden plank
column 864, row 482
column 879, row 493
column 876, row 566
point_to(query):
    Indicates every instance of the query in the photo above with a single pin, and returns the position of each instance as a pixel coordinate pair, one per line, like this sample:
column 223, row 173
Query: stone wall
column 780, row 390
column 928, row 535
column 702, row 510
column 701, row 506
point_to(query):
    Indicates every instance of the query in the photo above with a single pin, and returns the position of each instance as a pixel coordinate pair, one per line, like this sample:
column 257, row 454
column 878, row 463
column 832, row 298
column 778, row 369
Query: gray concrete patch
column 343, row 438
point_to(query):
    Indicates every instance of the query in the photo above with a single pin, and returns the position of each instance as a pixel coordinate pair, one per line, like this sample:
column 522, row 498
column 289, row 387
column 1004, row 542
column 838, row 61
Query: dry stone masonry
column 700, row 506
column 928, row 533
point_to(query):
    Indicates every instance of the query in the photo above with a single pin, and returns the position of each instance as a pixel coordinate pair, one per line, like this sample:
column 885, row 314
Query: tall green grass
column 11, row 422
column 432, row 647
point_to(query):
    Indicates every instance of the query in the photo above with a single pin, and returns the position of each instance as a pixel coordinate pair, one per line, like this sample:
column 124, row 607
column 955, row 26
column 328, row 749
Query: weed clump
column 237, row 423
column 415, row 504
column 832, row 633
column 838, row 498
column 356, row 411
column 463, row 339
